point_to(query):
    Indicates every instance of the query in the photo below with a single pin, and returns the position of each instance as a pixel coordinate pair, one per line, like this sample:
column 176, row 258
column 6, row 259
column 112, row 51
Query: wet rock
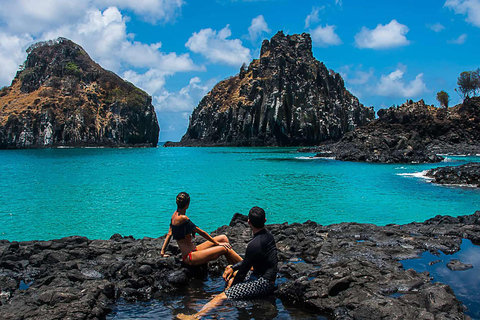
column 341, row 271
column 457, row 265
column 465, row 175
column 414, row 133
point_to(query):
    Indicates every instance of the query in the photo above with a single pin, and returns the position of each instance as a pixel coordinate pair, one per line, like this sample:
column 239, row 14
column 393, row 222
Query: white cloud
column 460, row 40
column 104, row 36
column 150, row 10
column 313, row 18
column 383, row 36
column 12, row 53
column 258, row 27
column 35, row 17
column 393, row 85
column 325, row 36
column 437, row 27
column 355, row 76
column 151, row 81
column 217, row 48
column 338, row 2
column 470, row 8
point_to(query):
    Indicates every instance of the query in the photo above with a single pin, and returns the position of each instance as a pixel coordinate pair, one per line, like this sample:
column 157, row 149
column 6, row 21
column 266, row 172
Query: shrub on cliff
column 443, row 98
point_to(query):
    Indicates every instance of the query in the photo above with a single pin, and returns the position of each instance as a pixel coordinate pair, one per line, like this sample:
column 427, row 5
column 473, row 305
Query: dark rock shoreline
column 467, row 175
column 341, row 271
column 411, row 133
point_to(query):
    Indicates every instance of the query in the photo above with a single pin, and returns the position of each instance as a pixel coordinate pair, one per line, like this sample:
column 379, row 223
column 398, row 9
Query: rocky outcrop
column 63, row 98
column 341, row 271
column 412, row 133
column 466, row 175
column 284, row 98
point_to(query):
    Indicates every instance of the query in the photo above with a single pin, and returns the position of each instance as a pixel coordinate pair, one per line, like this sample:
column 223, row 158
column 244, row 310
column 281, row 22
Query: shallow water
column 199, row 292
column 52, row 193
column 465, row 284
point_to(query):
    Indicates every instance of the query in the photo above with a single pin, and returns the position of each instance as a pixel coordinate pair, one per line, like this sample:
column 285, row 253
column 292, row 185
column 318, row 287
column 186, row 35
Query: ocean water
column 52, row 193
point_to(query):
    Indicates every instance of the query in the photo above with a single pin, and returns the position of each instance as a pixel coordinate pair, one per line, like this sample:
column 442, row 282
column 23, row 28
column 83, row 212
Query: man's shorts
column 251, row 287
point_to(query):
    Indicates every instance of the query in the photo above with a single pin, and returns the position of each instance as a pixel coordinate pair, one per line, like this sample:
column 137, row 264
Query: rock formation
column 286, row 97
column 412, row 133
column 63, row 98
column 466, row 175
column 341, row 271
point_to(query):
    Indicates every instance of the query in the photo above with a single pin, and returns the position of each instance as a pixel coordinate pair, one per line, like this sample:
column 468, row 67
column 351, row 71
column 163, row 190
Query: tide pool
column 52, row 193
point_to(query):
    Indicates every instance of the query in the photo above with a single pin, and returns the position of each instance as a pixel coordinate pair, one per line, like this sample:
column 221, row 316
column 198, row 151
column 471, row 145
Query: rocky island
column 61, row 97
column 464, row 175
column 340, row 271
column 284, row 98
column 411, row 133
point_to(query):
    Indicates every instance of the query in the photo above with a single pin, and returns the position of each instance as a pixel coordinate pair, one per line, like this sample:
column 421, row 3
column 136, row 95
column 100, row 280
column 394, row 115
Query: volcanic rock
column 457, row 265
column 467, row 175
column 341, row 271
column 62, row 98
column 412, row 133
column 284, row 98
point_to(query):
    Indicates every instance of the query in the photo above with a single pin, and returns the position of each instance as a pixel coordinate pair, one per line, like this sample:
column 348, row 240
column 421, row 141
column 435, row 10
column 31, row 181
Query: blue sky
column 177, row 50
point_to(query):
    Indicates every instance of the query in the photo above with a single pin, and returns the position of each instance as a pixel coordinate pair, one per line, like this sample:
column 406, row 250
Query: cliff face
column 63, row 98
column 413, row 132
column 286, row 97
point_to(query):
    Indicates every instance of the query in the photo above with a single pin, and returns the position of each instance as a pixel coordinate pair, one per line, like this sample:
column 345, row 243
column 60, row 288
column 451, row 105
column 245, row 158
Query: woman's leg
column 231, row 255
column 203, row 256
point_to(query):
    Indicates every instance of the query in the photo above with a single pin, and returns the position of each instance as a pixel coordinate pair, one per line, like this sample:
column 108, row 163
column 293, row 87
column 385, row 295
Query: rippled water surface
column 53, row 193
column 196, row 295
column 465, row 284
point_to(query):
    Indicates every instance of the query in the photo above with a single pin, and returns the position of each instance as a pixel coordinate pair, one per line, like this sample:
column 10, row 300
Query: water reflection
column 199, row 292
column 465, row 284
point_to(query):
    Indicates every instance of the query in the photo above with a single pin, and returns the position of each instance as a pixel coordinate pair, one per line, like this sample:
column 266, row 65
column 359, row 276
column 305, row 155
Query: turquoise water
column 52, row 193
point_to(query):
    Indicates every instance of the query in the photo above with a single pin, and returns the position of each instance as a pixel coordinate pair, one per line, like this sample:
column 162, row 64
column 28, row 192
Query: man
column 261, row 255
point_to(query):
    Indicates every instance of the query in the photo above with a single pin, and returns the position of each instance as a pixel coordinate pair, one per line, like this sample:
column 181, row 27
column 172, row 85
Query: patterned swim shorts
column 251, row 287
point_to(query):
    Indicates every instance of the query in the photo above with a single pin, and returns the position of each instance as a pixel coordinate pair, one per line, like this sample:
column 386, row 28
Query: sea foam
column 421, row 175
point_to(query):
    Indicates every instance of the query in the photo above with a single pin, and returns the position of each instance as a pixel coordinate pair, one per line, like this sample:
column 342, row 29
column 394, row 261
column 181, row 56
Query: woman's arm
column 206, row 236
column 166, row 242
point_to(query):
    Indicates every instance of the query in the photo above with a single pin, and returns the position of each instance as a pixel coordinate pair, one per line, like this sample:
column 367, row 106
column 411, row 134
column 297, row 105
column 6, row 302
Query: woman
column 183, row 230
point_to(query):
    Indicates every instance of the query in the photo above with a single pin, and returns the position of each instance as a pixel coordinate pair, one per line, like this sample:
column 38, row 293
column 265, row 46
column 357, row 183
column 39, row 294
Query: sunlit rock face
column 284, row 98
column 61, row 97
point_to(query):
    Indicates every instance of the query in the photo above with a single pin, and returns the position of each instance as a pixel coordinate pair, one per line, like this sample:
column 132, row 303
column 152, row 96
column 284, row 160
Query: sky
column 177, row 50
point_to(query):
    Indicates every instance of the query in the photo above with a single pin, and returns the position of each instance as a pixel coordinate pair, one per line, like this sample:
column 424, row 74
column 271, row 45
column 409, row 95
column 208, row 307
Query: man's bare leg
column 212, row 304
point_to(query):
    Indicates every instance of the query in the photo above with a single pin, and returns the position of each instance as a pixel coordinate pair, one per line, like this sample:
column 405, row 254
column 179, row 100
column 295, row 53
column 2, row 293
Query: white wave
column 314, row 158
column 421, row 175
column 400, row 168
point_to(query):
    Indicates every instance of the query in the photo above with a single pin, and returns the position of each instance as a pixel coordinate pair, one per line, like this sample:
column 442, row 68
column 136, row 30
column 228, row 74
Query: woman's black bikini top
column 179, row 232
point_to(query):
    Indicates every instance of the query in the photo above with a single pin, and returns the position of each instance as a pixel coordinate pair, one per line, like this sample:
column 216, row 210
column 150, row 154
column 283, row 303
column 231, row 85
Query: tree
column 443, row 98
column 469, row 83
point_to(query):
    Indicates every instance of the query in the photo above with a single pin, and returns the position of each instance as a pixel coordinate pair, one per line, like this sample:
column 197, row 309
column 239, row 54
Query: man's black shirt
column 261, row 254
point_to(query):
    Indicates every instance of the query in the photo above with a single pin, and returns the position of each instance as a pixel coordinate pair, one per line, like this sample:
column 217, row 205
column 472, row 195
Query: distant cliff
column 285, row 98
column 412, row 133
column 63, row 98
